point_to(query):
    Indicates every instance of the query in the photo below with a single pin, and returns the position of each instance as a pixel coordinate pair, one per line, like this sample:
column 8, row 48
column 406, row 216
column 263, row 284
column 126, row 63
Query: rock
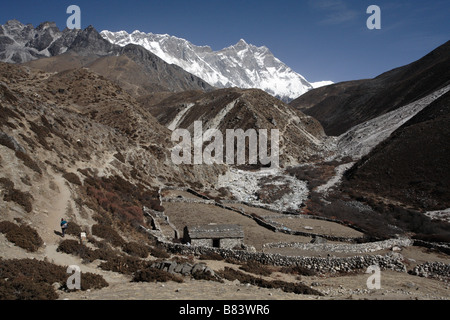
column 10, row 142
column 56, row 286
column 172, row 266
column 209, row 271
column 186, row 269
column 178, row 268
column 198, row 267
column 318, row 240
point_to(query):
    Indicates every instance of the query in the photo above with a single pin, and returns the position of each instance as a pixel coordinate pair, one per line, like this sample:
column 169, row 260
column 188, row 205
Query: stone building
column 225, row 236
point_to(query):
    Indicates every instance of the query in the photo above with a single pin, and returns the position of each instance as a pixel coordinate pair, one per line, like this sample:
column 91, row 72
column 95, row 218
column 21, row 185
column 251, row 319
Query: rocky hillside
column 61, row 133
column 411, row 167
column 301, row 137
column 341, row 106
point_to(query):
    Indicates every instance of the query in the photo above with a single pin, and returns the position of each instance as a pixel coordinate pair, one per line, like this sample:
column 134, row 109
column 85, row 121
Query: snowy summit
column 242, row 65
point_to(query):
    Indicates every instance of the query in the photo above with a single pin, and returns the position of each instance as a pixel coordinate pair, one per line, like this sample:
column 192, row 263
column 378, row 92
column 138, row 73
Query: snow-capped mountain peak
column 241, row 65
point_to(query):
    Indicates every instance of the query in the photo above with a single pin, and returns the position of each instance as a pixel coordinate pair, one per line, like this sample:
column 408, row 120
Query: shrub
column 158, row 253
column 155, row 275
column 75, row 248
column 92, row 281
column 200, row 275
column 125, row 265
column 119, row 197
column 256, row 268
column 21, row 235
column 72, row 178
column 28, row 161
column 6, row 183
column 120, row 157
column 105, row 253
column 136, row 249
column 7, row 226
column 298, row 288
column 301, row 271
column 23, row 199
column 108, row 233
column 24, row 289
column 41, row 133
column 30, row 279
column 211, row 256
column 73, row 229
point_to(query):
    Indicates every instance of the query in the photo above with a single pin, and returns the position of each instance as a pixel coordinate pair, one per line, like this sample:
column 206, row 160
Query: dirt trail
column 56, row 210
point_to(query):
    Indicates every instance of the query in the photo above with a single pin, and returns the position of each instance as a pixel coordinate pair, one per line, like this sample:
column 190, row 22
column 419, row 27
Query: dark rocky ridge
column 412, row 165
column 343, row 105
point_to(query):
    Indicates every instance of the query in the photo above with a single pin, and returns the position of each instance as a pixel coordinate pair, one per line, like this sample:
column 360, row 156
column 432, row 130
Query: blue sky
column 320, row 39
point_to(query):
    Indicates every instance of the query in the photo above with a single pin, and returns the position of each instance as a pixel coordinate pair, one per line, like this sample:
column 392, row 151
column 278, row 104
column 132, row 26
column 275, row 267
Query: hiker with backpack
column 64, row 226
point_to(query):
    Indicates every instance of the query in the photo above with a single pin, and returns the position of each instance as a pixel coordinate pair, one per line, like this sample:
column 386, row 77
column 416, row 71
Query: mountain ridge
column 241, row 65
column 70, row 49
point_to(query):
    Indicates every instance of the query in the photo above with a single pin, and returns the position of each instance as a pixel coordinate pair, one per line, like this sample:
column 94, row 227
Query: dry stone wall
column 344, row 247
column 437, row 270
column 392, row 261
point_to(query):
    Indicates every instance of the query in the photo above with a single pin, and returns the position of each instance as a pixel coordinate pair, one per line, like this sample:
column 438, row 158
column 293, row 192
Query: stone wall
column 437, row 270
column 344, row 247
column 392, row 261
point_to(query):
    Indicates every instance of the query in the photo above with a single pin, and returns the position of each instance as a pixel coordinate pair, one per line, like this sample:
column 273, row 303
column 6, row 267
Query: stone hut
column 225, row 236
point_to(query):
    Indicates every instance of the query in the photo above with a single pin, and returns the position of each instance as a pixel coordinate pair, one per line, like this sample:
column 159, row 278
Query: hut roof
column 218, row 231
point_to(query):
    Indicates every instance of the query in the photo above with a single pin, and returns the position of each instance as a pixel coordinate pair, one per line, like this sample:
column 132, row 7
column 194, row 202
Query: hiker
column 64, row 226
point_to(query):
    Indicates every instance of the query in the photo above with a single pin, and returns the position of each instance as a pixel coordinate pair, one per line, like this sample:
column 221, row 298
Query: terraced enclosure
column 301, row 223
column 183, row 208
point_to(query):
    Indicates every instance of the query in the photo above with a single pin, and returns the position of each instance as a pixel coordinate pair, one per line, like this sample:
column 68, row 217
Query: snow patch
column 320, row 84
